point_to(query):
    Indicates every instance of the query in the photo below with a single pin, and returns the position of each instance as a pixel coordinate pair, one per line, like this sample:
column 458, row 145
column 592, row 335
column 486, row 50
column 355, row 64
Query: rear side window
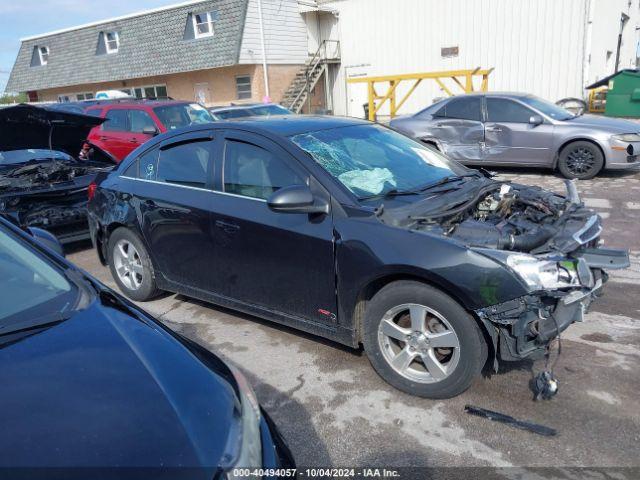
column 465, row 108
column 252, row 171
column 508, row 111
column 117, row 121
column 144, row 167
column 188, row 164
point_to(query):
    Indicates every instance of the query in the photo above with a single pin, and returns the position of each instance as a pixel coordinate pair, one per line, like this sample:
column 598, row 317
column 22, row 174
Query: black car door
column 174, row 194
column 279, row 261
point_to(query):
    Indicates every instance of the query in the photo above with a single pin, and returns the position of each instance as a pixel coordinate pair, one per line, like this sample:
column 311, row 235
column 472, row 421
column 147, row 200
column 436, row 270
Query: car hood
column 28, row 127
column 108, row 389
column 613, row 125
column 499, row 215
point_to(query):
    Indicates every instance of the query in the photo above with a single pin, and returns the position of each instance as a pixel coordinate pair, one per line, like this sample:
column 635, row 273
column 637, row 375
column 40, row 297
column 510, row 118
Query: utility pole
column 267, row 97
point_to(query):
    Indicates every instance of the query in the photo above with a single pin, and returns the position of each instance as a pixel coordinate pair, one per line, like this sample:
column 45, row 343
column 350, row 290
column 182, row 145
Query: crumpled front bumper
column 524, row 327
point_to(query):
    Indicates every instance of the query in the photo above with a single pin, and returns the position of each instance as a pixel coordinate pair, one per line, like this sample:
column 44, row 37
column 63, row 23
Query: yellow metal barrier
column 598, row 99
column 460, row 78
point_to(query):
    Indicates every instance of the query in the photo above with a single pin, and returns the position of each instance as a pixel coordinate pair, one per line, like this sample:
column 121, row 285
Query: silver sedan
column 513, row 129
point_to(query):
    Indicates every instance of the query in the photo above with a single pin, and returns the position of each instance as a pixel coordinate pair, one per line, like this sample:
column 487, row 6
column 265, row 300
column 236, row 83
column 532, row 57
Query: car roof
column 242, row 107
column 148, row 103
column 492, row 94
column 288, row 125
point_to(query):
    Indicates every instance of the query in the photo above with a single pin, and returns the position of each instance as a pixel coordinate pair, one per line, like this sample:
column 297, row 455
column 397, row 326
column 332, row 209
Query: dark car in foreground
column 354, row 232
column 43, row 182
column 93, row 387
column 521, row 130
column 249, row 110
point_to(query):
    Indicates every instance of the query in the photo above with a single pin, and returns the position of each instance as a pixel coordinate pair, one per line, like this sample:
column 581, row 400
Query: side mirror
column 296, row 199
column 536, row 120
column 47, row 239
column 149, row 130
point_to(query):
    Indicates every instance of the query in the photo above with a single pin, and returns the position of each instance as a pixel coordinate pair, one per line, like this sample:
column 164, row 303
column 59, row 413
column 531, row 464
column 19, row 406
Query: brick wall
column 218, row 84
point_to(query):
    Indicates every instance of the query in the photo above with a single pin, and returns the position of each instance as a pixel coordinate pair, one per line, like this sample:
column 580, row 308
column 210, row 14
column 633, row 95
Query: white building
column 551, row 48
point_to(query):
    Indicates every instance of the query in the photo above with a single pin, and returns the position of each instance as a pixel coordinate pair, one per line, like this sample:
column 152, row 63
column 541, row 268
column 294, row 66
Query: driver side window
column 507, row 111
column 252, row 171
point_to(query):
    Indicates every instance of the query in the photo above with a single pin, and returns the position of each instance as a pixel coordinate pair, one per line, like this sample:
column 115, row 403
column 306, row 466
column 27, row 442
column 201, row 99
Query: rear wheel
column 131, row 265
column 422, row 341
column 581, row 160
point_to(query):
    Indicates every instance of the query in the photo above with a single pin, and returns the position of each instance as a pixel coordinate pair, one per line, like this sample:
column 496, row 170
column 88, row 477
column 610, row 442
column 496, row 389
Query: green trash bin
column 623, row 96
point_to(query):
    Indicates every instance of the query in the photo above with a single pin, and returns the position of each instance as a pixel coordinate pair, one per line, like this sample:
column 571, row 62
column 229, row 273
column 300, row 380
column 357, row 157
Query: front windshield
column 29, row 286
column 16, row 157
column 182, row 115
column 548, row 108
column 372, row 160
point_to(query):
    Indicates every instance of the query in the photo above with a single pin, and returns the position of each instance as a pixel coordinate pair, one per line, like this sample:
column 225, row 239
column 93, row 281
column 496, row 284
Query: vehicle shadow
column 271, row 325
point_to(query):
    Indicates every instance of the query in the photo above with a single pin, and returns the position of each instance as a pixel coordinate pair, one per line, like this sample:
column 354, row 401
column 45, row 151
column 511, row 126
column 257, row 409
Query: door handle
column 149, row 203
column 133, row 140
column 439, row 125
column 493, row 129
column 227, row 227
column 104, row 138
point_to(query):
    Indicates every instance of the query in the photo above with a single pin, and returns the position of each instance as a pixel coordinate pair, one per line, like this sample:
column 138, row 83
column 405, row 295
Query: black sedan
column 93, row 387
column 354, row 232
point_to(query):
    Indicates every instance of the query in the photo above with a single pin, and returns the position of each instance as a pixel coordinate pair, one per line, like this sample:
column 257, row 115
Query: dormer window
column 43, row 53
column 111, row 42
column 203, row 24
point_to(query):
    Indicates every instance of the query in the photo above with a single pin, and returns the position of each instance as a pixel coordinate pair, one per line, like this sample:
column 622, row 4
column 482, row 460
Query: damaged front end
column 51, row 195
column 548, row 241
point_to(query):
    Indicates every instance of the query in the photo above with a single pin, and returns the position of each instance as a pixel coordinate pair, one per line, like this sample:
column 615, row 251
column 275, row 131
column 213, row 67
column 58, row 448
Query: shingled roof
column 151, row 43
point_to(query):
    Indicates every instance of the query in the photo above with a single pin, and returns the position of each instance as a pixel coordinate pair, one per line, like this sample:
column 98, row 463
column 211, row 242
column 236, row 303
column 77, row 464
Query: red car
column 130, row 124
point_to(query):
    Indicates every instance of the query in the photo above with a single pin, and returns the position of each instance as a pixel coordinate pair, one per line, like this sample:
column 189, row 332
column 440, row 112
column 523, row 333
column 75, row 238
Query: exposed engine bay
column 39, row 175
column 549, row 241
column 517, row 218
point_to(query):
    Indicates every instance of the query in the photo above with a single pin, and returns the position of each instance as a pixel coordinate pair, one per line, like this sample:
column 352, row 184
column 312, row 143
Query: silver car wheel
column 128, row 264
column 418, row 343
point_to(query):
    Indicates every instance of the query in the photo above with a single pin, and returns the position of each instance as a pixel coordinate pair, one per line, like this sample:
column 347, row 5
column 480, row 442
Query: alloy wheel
column 580, row 160
column 128, row 264
column 419, row 343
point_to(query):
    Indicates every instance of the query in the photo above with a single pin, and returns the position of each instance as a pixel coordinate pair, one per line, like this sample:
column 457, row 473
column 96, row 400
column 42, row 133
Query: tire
column 401, row 303
column 128, row 255
column 581, row 160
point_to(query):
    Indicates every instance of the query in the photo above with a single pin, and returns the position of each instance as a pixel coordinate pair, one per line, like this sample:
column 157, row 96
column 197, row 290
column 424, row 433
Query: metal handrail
column 313, row 64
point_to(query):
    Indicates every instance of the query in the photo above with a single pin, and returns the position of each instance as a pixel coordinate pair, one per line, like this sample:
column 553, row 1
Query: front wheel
column 422, row 341
column 580, row 160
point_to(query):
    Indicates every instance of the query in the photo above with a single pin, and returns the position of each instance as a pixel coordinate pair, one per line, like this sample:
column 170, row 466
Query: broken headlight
column 542, row 274
column 537, row 273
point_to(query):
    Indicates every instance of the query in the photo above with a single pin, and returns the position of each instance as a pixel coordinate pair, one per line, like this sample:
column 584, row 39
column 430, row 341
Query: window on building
column 507, row 111
column 64, row 98
column 243, row 87
column 117, row 121
column 202, row 24
column 254, row 172
column 84, row 96
column 111, row 41
column 151, row 91
column 465, row 108
column 187, row 164
column 43, row 52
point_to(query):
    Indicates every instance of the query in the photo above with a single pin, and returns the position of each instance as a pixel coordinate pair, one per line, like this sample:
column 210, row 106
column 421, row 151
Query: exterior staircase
column 306, row 79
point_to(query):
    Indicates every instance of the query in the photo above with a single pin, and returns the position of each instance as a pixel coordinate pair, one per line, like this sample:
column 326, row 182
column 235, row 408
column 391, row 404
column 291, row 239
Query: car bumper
column 623, row 156
column 524, row 327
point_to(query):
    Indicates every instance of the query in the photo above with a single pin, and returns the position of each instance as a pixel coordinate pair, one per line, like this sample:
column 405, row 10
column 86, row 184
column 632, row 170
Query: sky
column 23, row 18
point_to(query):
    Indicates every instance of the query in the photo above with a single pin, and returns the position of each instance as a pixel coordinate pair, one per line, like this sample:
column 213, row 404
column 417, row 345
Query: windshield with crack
column 371, row 160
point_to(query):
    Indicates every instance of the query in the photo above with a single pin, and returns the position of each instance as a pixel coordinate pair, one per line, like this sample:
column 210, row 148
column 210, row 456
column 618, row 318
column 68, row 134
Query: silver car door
column 458, row 127
column 510, row 136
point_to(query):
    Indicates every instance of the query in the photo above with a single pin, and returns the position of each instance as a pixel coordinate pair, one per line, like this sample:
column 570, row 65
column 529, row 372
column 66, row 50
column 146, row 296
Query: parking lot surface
column 334, row 410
